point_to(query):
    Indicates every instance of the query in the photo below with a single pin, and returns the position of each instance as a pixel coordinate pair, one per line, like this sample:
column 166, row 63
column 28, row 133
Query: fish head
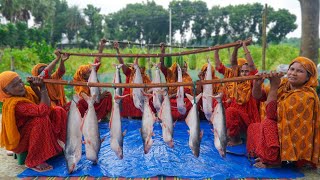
column 222, row 152
column 147, row 145
column 71, row 163
column 170, row 143
column 195, row 147
column 119, row 153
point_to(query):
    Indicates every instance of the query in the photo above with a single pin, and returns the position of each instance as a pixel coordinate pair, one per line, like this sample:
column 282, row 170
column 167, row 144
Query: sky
column 108, row 6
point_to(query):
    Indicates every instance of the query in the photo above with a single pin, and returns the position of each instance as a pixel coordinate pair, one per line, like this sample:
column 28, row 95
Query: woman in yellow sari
column 297, row 119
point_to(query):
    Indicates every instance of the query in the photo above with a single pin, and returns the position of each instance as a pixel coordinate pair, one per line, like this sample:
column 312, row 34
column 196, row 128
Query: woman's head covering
column 204, row 68
column 310, row 68
column 36, row 68
column 241, row 61
column 79, row 76
column 5, row 79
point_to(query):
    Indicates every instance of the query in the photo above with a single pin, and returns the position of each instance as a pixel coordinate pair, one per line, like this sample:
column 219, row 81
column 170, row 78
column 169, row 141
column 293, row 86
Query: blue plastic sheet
column 162, row 160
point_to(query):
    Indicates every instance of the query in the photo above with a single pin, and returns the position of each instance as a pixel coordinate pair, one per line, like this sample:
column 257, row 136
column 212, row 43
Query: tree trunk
column 310, row 29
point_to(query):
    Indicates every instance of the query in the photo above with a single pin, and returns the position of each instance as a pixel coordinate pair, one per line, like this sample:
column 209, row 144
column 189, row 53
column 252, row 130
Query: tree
column 200, row 14
column 75, row 21
column 310, row 29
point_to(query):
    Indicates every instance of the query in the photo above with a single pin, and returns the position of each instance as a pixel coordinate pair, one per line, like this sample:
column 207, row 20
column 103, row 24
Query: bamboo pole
column 151, row 85
column 264, row 36
column 248, row 42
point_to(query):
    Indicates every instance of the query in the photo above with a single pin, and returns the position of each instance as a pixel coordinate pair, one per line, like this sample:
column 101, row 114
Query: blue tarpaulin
column 163, row 160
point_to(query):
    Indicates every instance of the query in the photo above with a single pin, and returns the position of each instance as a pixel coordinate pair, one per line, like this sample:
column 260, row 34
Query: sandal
column 41, row 167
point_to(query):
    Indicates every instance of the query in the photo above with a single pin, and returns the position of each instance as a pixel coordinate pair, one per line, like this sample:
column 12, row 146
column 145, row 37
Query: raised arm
column 217, row 61
column 120, row 59
column 62, row 68
column 53, row 63
column 234, row 57
column 163, row 68
column 256, row 88
column 248, row 57
column 100, row 49
column 42, row 92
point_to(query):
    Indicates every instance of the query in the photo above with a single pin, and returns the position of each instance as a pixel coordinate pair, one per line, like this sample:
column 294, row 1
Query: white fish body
column 90, row 131
column 180, row 94
column 93, row 78
column 207, row 94
column 148, row 119
column 73, row 146
column 156, row 96
column 218, row 120
column 193, row 122
column 167, row 120
column 138, row 97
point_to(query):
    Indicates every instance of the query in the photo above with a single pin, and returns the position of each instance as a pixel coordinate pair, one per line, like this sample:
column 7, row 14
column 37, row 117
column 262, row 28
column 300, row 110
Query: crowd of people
column 279, row 122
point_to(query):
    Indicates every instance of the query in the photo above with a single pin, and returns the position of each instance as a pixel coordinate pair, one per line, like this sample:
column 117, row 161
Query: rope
column 194, row 91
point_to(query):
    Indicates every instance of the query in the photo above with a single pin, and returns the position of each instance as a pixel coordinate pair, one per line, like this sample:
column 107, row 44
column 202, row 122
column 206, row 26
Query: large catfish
column 157, row 98
column 180, row 94
column 93, row 78
column 207, row 93
column 193, row 122
column 137, row 94
column 166, row 119
column 218, row 120
column 148, row 119
column 90, row 131
column 117, row 79
column 73, row 147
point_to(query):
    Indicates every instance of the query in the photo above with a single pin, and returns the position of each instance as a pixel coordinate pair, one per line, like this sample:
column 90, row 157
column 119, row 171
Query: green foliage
column 192, row 62
column 179, row 60
column 142, row 60
column 44, row 51
column 168, row 61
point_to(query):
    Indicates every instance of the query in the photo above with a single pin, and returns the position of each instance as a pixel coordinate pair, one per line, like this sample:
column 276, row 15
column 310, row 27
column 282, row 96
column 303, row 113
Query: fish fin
column 188, row 132
column 201, row 134
column 124, row 132
column 190, row 98
column 62, row 144
column 99, row 120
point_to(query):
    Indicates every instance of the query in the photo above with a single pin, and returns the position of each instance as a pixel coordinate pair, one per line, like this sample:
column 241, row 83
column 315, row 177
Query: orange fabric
column 263, row 105
column 36, row 68
column 55, row 91
column 5, row 78
column 215, row 87
column 299, row 118
column 241, row 91
column 241, row 61
column 145, row 77
column 172, row 76
column 78, row 76
column 10, row 136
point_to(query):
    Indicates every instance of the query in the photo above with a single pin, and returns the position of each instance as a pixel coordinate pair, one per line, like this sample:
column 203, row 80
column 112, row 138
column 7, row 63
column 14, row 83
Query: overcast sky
column 109, row 6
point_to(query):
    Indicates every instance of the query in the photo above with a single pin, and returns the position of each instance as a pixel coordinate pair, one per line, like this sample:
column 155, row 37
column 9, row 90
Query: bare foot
column 42, row 167
column 234, row 143
column 260, row 164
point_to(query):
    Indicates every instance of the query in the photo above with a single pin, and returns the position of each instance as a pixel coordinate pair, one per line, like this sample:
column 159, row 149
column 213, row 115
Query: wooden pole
column 248, row 42
column 151, row 85
column 264, row 36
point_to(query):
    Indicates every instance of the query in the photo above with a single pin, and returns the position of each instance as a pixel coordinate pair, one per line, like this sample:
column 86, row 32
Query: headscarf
column 36, row 68
column 5, row 79
column 78, row 76
column 241, row 61
column 298, row 111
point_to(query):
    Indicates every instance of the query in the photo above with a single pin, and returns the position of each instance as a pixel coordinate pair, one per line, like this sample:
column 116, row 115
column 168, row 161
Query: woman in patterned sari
column 291, row 130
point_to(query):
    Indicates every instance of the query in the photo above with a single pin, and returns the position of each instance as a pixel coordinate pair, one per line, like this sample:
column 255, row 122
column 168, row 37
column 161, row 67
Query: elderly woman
column 291, row 130
column 28, row 122
column 242, row 109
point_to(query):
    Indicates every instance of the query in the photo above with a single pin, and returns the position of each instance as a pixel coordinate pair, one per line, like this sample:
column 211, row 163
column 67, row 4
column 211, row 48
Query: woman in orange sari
column 171, row 75
column 82, row 74
column 28, row 122
column 291, row 130
column 128, row 108
column 55, row 91
column 243, row 109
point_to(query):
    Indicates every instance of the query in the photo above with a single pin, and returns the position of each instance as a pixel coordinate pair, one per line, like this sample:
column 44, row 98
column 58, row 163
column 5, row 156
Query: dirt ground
column 9, row 167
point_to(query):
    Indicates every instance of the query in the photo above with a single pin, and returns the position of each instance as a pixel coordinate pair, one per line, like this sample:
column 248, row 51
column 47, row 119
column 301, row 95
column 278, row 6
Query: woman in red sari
column 243, row 109
column 28, row 122
column 82, row 74
column 291, row 131
column 128, row 108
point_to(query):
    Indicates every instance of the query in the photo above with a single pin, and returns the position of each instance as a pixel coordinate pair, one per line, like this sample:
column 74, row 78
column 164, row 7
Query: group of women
column 286, row 129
